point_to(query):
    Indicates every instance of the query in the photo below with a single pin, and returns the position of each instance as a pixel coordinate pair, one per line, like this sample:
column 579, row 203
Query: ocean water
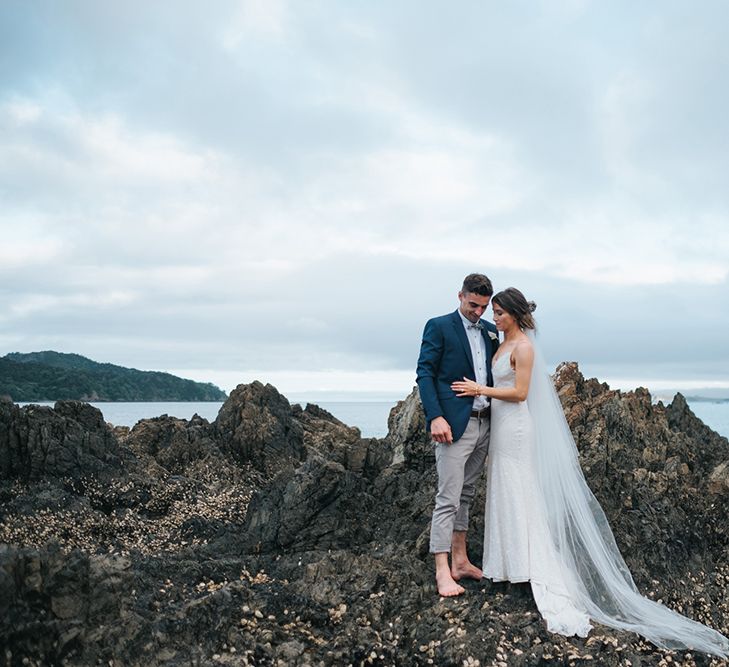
column 128, row 414
column 369, row 416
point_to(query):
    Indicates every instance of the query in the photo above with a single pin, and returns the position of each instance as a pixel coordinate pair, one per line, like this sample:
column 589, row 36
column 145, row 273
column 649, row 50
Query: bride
column 542, row 523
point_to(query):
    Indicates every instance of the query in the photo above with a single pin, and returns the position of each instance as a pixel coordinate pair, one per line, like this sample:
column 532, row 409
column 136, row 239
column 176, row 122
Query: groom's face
column 473, row 305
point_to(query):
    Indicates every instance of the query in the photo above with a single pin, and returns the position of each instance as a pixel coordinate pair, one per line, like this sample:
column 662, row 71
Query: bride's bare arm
column 523, row 355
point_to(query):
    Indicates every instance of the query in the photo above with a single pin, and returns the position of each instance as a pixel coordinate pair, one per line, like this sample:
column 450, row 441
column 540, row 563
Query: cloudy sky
column 288, row 190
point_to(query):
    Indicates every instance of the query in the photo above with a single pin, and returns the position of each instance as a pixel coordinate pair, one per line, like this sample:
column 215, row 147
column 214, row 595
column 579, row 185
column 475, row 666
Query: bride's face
column 503, row 320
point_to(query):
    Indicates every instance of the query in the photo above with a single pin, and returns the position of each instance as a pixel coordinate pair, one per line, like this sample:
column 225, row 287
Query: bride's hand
column 466, row 388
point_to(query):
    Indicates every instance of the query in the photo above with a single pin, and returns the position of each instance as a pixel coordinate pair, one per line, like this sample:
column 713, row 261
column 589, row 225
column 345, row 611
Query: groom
column 456, row 346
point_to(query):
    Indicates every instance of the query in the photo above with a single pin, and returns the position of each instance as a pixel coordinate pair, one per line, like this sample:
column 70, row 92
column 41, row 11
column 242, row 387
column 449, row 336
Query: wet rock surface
column 276, row 535
column 256, row 425
column 71, row 439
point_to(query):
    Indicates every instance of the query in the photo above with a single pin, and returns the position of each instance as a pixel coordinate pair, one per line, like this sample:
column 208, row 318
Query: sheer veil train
column 601, row 582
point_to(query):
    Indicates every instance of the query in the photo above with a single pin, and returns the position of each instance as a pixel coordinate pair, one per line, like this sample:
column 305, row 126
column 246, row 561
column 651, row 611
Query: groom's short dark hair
column 477, row 283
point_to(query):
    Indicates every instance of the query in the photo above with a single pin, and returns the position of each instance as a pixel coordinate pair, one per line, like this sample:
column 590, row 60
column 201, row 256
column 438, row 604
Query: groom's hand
column 441, row 430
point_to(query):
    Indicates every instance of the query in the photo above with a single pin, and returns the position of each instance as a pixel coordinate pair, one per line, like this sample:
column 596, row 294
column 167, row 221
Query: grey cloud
column 231, row 267
column 359, row 312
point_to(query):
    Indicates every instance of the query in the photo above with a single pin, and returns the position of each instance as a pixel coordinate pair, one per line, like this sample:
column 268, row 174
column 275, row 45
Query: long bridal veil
column 601, row 582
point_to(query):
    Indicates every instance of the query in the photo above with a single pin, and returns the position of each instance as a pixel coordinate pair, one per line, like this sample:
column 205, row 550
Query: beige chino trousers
column 459, row 467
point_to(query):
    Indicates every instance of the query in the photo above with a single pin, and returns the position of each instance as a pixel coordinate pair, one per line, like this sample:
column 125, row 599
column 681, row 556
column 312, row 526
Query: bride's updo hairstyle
column 514, row 303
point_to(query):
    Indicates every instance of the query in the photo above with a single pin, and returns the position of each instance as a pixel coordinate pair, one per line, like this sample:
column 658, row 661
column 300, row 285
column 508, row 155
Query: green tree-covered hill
column 53, row 376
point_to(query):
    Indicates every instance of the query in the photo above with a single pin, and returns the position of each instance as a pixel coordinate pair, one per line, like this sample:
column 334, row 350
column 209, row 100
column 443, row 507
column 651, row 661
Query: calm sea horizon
column 370, row 416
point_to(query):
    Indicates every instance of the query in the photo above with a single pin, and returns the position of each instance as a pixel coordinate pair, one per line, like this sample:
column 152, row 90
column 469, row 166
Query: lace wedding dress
column 544, row 525
column 517, row 546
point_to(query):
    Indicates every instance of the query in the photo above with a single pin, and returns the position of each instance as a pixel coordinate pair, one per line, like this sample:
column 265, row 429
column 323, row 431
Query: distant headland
column 53, row 376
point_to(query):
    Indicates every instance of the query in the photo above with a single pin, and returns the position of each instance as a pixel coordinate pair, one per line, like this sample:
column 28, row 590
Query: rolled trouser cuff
column 460, row 522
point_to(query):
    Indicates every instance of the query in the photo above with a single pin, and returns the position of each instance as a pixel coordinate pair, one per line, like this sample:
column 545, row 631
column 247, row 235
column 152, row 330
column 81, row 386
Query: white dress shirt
column 478, row 351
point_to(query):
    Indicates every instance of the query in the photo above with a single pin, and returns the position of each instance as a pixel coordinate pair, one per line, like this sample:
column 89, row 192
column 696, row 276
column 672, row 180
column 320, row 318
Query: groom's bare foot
column 466, row 570
column 462, row 567
column 447, row 587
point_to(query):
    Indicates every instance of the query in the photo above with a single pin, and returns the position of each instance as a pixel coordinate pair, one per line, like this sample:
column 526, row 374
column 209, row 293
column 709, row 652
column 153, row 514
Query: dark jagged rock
column 315, row 506
column 71, row 440
column 173, row 443
column 279, row 536
column 328, row 437
column 256, row 425
column 89, row 417
column 53, row 602
column 407, row 434
column 709, row 448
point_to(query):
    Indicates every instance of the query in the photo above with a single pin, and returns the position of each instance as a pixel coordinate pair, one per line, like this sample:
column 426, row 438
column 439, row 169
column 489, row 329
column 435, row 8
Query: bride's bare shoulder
column 523, row 349
column 524, row 343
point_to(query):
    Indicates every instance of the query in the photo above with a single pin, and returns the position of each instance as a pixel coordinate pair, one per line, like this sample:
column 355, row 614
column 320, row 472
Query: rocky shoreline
column 277, row 535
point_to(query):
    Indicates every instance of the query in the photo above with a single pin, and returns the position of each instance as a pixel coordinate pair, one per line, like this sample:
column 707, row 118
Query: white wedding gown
column 517, row 545
column 544, row 525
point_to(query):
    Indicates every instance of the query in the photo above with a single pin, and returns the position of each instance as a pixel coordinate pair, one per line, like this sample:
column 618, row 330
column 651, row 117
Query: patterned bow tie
column 476, row 325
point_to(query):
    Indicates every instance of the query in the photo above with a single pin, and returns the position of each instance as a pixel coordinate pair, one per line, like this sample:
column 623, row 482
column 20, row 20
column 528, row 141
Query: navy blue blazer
column 445, row 356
